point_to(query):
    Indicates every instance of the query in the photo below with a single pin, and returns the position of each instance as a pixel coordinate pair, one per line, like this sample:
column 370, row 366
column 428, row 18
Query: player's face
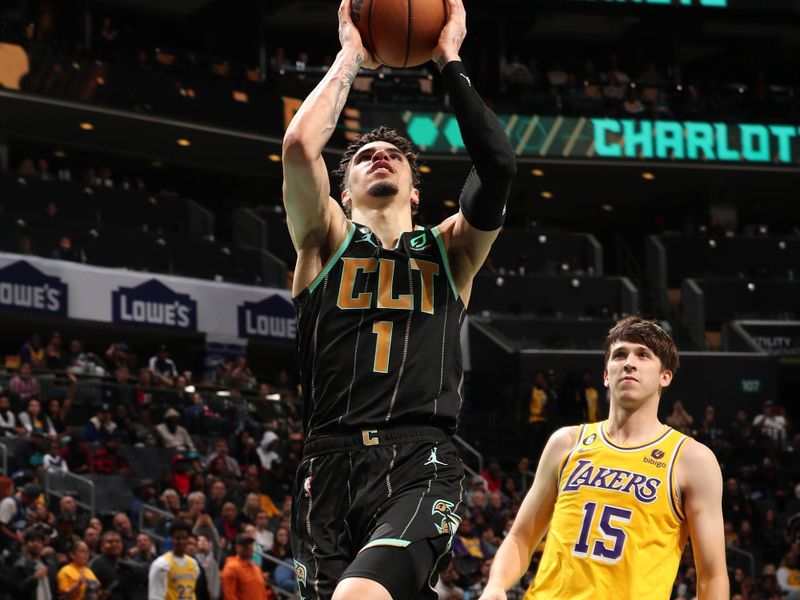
column 180, row 540
column 379, row 170
column 634, row 374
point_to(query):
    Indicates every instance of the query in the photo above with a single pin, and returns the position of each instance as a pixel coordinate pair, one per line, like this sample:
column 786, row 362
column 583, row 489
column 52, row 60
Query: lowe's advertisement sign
column 154, row 304
column 23, row 287
column 226, row 313
column 270, row 319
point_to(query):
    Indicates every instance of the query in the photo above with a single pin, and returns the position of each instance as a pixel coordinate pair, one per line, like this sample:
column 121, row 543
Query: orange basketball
column 400, row 33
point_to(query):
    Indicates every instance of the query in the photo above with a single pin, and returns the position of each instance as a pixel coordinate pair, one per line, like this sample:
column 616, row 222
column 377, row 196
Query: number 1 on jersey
column 383, row 331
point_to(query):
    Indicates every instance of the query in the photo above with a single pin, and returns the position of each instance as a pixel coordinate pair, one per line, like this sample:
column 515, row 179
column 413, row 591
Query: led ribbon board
column 580, row 137
column 700, row 3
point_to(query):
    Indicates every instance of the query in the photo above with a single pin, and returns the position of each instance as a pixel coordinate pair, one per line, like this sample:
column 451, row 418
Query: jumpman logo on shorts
column 432, row 460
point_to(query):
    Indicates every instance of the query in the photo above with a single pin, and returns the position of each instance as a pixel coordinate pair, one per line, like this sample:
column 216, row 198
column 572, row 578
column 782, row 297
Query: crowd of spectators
column 594, row 86
column 231, row 443
column 124, row 70
column 228, row 475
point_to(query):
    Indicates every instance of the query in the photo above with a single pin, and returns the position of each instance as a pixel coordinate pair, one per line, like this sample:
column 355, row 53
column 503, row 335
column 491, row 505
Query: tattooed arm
column 316, row 222
column 452, row 36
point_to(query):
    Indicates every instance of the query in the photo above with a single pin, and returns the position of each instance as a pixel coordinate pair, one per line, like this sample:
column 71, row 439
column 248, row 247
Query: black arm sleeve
column 486, row 190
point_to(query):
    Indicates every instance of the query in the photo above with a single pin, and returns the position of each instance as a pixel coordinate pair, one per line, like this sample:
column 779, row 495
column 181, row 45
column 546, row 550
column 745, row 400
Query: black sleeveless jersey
column 378, row 336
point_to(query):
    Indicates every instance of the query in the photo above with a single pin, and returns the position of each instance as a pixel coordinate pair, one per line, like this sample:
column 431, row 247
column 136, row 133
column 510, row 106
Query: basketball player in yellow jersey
column 173, row 575
column 620, row 497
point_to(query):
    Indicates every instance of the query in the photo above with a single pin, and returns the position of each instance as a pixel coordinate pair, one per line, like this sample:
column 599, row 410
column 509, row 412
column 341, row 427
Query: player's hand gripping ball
column 400, row 33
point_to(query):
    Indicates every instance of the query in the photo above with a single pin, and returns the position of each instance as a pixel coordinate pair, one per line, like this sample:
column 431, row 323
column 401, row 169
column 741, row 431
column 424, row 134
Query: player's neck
column 386, row 222
column 633, row 427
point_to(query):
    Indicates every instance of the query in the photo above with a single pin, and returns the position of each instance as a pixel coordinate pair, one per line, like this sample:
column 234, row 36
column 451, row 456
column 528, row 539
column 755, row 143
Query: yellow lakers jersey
column 181, row 581
column 618, row 528
column 537, row 407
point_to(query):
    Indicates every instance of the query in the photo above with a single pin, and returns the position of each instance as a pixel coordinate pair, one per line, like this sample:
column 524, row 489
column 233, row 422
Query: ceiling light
column 608, row 207
column 648, row 176
column 274, row 158
column 537, row 172
column 449, row 203
column 424, row 169
column 547, row 195
column 156, row 164
column 59, row 153
column 184, row 142
column 86, row 126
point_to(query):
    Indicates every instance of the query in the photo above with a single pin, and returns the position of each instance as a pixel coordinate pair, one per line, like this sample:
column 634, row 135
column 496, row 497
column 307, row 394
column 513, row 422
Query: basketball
column 400, row 33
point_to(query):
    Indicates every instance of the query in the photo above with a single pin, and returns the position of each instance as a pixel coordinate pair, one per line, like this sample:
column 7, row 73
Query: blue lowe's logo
column 154, row 304
column 272, row 318
column 24, row 287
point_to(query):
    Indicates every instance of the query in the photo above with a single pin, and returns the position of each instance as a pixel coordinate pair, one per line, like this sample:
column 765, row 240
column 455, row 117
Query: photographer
column 118, row 577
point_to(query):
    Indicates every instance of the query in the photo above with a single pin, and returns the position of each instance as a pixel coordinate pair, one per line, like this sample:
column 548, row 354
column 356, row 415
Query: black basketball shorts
column 378, row 488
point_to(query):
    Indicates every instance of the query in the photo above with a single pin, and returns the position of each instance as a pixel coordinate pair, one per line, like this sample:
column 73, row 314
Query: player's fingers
column 344, row 10
column 457, row 10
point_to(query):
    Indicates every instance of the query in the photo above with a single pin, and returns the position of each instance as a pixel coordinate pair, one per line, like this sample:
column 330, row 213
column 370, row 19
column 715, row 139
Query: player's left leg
column 391, row 573
column 359, row 588
column 415, row 509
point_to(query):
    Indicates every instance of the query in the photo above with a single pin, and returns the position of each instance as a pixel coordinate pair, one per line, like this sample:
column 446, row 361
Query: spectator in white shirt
column 173, row 435
column 163, row 367
column 53, row 461
column 772, row 424
column 8, row 421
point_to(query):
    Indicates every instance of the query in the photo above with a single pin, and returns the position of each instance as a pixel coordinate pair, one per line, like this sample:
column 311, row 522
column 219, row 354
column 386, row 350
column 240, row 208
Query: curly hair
column 381, row 134
column 637, row 330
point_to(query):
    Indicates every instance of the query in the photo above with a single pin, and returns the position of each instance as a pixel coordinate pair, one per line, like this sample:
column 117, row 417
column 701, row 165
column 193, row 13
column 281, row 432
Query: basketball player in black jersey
column 379, row 495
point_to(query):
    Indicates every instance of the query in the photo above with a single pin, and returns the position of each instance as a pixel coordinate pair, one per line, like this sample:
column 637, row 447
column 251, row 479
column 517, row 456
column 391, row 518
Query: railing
column 60, row 484
column 150, row 528
column 463, row 443
column 750, row 558
column 3, row 459
column 527, row 481
column 284, row 563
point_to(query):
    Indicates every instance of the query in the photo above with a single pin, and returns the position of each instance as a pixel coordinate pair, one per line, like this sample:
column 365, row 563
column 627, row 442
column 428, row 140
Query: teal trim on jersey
column 443, row 252
column 332, row 261
column 387, row 542
column 419, row 228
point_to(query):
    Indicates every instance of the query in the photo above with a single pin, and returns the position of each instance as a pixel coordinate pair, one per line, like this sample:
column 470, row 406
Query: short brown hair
column 381, row 134
column 638, row 330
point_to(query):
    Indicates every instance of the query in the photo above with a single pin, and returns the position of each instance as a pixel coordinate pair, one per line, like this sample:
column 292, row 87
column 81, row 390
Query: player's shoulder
column 696, row 463
column 445, row 228
column 696, row 451
column 160, row 564
column 563, row 440
column 566, row 436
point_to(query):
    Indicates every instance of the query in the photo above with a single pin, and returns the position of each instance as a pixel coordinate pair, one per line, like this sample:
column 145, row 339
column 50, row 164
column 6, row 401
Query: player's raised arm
column 306, row 186
column 701, row 485
column 514, row 555
column 470, row 233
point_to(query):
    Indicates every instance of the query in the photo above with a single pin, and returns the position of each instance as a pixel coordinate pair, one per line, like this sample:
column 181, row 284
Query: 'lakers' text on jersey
column 618, row 528
column 378, row 336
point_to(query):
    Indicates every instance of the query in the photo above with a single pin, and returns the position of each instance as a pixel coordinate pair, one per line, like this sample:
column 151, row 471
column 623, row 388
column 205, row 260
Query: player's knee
column 359, row 588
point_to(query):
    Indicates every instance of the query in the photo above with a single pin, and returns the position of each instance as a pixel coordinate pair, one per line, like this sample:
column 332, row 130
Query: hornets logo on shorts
column 450, row 520
column 300, row 575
